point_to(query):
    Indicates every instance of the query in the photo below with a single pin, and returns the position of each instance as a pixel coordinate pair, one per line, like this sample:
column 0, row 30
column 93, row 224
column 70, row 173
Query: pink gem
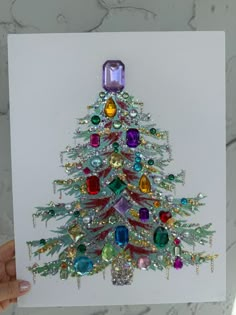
column 177, row 241
column 86, row 171
column 144, row 262
column 178, row 264
column 95, row 140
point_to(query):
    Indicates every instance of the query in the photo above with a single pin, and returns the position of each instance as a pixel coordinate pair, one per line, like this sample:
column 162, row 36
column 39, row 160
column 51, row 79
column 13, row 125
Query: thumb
column 13, row 289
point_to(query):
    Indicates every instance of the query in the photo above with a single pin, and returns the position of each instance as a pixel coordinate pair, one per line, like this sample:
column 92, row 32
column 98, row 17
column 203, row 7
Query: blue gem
column 138, row 167
column 83, row 265
column 184, row 201
column 121, row 235
column 138, row 159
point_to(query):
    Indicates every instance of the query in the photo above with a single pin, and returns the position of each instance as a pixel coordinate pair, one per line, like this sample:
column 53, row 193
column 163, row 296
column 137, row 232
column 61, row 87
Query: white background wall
column 34, row 16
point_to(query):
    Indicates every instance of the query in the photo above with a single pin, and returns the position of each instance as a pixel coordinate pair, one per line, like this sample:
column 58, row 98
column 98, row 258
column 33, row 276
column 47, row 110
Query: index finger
column 7, row 251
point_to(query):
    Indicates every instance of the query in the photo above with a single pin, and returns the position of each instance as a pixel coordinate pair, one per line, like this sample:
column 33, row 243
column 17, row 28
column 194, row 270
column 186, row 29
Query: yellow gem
column 144, row 184
column 170, row 222
column 75, row 232
column 110, row 108
column 71, row 252
column 116, row 160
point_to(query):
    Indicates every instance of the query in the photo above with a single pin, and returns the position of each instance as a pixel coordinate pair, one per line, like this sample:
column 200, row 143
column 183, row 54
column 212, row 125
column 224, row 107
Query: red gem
column 86, row 171
column 63, row 265
column 164, row 216
column 177, row 241
column 95, row 140
column 93, row 185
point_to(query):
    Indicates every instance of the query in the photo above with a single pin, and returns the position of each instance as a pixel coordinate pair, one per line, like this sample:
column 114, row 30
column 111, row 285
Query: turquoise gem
column 83, row 265
column 184, row 201
column 138, row 159
column 121, row 235
column 138, row 167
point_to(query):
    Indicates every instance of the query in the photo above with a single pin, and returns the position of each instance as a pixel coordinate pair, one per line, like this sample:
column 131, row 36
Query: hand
column 10, row 288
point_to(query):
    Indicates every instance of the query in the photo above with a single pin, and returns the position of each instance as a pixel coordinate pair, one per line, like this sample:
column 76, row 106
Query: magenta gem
column 132, row 138
column 86, row 171
column 122, row 205
column 178, row 264
column 113, row 79
column 143, row 214
column 177, row 241
column 144, row 262
column 95, row 140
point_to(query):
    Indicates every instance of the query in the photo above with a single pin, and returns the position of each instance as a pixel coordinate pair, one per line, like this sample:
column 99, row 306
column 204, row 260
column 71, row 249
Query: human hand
column 10, row 288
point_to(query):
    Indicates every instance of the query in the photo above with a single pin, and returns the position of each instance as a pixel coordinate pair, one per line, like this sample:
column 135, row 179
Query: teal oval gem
column 121, row 235
column 161, row 237
column 138, row 159
column 184, row 201
column 138, row 167
column 153, row 131
column 115, row 145
column 96, row 161
column 171, row 177
column 83, row 265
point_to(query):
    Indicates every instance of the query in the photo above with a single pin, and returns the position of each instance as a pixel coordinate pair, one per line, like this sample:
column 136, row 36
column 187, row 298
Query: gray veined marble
column 32, row 16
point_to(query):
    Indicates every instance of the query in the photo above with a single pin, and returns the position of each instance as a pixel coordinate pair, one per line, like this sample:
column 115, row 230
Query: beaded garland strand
column 124, row 212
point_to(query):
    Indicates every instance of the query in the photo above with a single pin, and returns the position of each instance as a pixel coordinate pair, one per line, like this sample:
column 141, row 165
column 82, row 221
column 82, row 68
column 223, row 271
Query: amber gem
column 110, row 108
column 144, row 184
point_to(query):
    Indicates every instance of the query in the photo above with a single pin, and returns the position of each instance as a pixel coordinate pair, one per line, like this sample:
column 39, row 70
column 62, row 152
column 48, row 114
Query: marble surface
column 32, row 16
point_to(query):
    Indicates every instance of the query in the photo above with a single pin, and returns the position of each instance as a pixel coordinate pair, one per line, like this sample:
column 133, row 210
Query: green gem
column 150, row 162
column 102, row 94
column 95, row 120
column 171, row 177
column 82, row 248
column 153, row 131
column 76, row 213
column 42, row 241
column 125, row 95
column 117, row 186
column 51, row 212
column 108, row 252
column 117, row 124
column 115, row 145
column 161, row 237
column 116, row 150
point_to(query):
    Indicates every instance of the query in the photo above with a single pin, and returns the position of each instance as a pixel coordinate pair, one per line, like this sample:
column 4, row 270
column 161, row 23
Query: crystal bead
column 96, row 161
column 117, row 124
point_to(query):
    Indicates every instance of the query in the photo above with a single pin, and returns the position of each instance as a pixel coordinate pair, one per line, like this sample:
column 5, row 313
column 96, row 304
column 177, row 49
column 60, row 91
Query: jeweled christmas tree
column 124, row 212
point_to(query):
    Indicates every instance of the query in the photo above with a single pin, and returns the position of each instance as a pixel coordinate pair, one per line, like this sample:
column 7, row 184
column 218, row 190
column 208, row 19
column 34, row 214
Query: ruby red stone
column 177, row 241
column 95, row 140
column 113, row 76
column 93, row 185
column 86, row 171
column 164, row 216
column 132, row 138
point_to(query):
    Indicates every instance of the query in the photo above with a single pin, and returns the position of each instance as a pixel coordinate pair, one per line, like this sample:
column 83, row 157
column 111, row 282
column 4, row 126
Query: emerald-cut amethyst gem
column 113, row 77
column 122, row 205
column 132, row 138
column 121, row 235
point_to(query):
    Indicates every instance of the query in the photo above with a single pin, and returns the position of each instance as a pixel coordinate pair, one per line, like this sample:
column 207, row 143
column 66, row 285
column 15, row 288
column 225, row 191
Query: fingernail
column 24, row 286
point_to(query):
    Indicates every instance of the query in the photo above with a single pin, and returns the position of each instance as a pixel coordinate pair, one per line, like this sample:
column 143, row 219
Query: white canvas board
column 180, row 77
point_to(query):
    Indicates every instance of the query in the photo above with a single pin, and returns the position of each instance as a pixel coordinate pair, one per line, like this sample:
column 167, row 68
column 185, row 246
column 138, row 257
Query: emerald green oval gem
column 115, row 145
column 153, row 131
column 51, row 212
column 150, row 162
column 42, row 241
column 82, row 248
column 76, row 213
column 171, row 177
column 161, row 237
column 108, row 252
column 95, row 119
